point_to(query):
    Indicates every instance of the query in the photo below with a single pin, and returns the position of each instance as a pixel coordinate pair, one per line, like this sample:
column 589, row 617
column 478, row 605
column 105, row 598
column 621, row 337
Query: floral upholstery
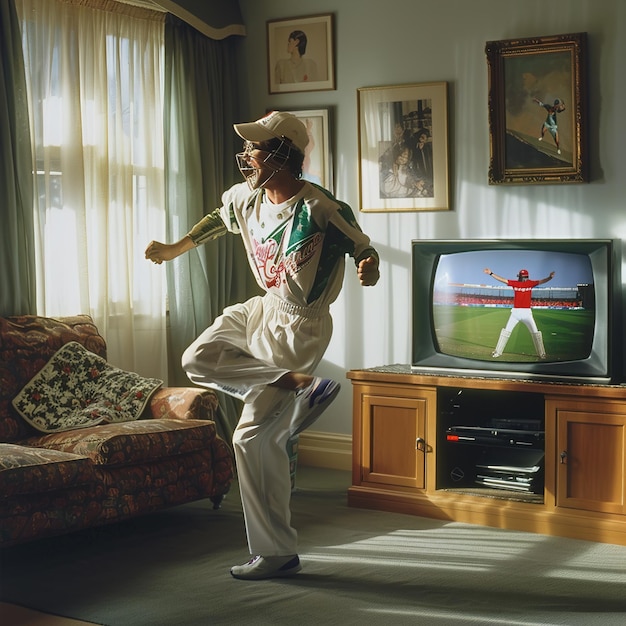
column 126, row 443
column 31, row 470
column 152, row 486
column 53, row 483
column 24, row 518
column 27, row 343
column 185, row 401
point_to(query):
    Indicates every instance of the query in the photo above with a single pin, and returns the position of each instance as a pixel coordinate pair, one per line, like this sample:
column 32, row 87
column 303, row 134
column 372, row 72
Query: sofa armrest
column 183, row 403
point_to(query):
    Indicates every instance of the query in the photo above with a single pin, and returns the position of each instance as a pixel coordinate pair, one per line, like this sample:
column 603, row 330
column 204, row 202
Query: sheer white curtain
column 95, row 84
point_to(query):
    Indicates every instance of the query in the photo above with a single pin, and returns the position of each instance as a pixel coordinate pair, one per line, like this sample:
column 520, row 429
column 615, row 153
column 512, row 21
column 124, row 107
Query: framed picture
column 537, row 110
column 403, row 148
column 317, row 167
column 300, row 54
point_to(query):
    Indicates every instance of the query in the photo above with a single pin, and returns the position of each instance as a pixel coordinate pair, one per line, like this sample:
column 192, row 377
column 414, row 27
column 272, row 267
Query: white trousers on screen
column 521, row 315
column 248, row 347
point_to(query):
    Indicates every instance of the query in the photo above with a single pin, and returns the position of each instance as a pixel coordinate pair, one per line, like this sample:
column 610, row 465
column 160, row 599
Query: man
column 422, row 154
column 265, row 350
column 550, row 124
column 521, row 311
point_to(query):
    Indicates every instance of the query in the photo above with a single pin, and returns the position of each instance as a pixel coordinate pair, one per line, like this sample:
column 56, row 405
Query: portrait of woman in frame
column 300, row 54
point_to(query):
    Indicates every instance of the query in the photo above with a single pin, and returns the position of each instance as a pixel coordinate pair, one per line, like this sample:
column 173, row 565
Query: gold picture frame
column 300, row 54
column 537, row 110
column 403, row 148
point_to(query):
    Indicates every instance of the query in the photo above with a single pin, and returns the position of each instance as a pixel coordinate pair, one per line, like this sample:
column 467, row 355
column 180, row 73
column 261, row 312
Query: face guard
column 258, row 166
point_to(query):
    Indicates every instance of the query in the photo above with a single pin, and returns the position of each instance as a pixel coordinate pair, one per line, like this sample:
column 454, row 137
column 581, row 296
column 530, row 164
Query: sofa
column 147, row 448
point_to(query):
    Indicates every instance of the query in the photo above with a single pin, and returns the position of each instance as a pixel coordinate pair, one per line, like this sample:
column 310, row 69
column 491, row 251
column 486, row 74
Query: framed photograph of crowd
column 300, row 54
column 317, row 167
column 537, row 110
column 403, row 148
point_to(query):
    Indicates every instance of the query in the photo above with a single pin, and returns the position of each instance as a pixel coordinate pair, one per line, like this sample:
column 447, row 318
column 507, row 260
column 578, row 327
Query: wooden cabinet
column 394, row 435
column 402, row 461
column 590, row 455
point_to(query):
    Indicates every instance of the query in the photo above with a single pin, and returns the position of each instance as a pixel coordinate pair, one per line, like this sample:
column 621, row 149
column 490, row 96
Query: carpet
column 359, row 567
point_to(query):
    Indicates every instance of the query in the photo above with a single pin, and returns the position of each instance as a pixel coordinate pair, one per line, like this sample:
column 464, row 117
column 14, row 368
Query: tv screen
column 537, row 308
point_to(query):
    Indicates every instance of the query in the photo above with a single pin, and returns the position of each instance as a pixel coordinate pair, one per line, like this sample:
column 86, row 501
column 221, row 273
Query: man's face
column 254, row 166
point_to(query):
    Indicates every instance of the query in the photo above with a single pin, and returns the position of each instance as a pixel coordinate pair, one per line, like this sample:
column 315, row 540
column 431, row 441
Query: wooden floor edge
column 17, row 615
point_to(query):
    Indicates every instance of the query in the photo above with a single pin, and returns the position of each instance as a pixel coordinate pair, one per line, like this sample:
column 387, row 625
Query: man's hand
column 158, row 252
column 367, row 271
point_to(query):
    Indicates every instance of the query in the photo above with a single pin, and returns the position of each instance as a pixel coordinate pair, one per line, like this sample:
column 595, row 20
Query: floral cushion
column 27, row 343
column 78, row 388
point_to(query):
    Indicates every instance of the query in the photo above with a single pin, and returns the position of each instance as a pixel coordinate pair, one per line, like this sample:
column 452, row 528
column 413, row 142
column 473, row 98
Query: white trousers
column 522, row 315
column 248, row 347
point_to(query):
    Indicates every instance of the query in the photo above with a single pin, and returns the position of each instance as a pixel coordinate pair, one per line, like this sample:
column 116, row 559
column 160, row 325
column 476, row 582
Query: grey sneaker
column 311, row 402
column 260, row 567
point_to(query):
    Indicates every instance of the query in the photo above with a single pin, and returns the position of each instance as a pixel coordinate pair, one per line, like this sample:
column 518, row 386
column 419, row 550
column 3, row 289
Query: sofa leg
column 217, row 501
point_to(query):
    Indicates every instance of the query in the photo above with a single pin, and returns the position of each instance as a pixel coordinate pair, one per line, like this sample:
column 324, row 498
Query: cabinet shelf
column 497, row 494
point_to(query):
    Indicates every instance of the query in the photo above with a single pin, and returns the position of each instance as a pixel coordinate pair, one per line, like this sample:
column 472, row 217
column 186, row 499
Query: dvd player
column 495, row 436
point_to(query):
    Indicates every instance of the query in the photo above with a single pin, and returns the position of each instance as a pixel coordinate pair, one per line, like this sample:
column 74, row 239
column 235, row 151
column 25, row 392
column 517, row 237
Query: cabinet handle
column 420, row 444
column 563, row 456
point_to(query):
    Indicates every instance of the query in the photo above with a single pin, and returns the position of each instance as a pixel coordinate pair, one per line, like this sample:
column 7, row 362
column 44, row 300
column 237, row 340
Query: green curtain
column 17, row 256
column 200, row 107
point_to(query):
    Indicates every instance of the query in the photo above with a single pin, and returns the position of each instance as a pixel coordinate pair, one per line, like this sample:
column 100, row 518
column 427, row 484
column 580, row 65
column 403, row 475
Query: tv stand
column 545, row 457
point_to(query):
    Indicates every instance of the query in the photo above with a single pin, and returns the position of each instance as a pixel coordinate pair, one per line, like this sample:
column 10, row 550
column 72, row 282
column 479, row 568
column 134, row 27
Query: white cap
column 275, row 125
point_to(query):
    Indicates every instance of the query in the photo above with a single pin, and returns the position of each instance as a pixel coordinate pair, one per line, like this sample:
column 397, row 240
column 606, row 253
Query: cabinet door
column 394, row 444
column 591, row 456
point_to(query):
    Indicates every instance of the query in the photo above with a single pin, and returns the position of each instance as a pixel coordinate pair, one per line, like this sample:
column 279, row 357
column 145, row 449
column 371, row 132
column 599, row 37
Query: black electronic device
column 491, row 440
column 459, row 309
column 491, row 436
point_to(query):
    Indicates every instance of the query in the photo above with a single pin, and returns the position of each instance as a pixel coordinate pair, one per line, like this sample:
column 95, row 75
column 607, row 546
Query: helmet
column 293, row 139
column 523, row 273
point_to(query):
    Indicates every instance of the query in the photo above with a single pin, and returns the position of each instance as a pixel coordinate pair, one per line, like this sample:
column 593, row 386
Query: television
column 532, row 309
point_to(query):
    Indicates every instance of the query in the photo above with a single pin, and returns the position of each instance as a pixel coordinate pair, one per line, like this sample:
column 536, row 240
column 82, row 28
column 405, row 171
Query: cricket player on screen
column 521, row 311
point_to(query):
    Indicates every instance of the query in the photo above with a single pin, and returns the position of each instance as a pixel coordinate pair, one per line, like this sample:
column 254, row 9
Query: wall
column 416, row 41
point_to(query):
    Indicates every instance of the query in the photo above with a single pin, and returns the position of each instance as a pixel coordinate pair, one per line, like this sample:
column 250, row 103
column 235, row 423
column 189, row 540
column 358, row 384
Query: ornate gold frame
column 547, row 69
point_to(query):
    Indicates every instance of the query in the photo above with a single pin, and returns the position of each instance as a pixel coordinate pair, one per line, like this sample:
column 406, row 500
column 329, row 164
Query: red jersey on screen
column 522, row 292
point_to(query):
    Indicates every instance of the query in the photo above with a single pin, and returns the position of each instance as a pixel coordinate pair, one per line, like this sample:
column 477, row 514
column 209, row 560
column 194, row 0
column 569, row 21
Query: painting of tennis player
column 537, row 109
